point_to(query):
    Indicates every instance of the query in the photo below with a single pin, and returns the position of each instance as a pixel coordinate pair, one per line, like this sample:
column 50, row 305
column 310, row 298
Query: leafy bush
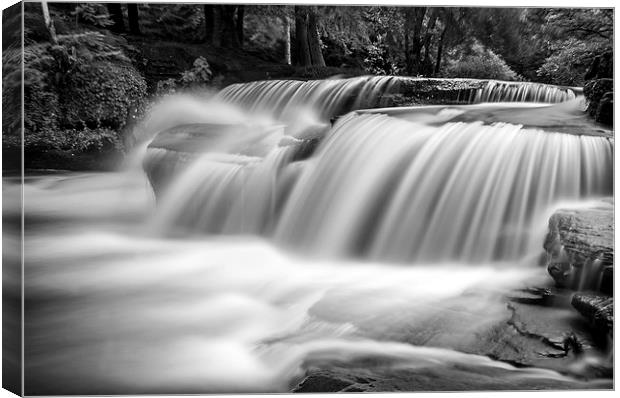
column 77, row 94
column 100, row 95
column 75, row 140
column 199, row 76
column 478, row 63
column 378, row 61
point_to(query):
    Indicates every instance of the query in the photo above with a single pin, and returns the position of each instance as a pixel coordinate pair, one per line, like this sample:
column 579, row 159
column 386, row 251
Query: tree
column 116, row 14
column 224, row 25
column 133, row 16
column 239, row 24
column 307, row 41
column 575, row 37
column 287, row 38
column 414, row 19
column 274, row 23
column 49, row 24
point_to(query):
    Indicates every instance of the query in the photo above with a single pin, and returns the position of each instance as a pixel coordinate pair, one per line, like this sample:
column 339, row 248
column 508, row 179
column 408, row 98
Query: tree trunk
column 440, row 50
column 49, row 24
column 416, row 42
column 307, row 41
column 228, row 30
column 116, row 14
column 287, row 39
column 239, row 24
column 209, row 10
column 314, row 41
column 408, row 63
column 134, row 19
column 427, row 63
column 302, row 50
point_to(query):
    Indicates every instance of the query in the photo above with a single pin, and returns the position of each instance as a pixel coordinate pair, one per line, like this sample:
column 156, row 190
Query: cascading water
column 328, row 97
column 335, row 97
column 393, row 189
column 276, row 244
column 498, row 91
column 460, row 191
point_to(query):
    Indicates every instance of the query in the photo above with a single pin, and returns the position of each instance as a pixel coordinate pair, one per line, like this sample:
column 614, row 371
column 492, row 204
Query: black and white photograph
column 213, row 198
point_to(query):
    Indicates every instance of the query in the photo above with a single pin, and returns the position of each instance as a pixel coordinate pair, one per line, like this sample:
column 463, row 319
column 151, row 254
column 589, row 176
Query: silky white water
column 396, row 238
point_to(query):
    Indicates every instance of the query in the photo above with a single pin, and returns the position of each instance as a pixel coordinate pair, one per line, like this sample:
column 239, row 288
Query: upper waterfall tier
column 334, row 97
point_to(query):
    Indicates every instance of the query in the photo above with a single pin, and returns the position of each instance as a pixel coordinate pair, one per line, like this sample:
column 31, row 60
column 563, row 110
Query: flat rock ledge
column 580, row 247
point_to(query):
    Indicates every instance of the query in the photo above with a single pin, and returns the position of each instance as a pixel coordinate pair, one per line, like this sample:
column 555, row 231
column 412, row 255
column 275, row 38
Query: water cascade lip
column 334, row 97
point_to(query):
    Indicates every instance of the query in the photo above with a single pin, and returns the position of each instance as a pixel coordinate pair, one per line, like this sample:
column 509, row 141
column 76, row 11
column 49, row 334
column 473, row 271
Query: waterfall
column 391, row 189
column 328, row 97
column 499, row 91
column 334, row 97
column 404, row 191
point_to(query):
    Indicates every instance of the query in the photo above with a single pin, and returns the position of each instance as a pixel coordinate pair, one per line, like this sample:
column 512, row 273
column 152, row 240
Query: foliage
column 93, row 14
column 76, row 94
column 481, row 63
column 568, row 63
column 199, row 76
column 182, row 22
column 100, row 94
column 576, row 36
column 378, row 61
column 92, row 46
column 11, row 92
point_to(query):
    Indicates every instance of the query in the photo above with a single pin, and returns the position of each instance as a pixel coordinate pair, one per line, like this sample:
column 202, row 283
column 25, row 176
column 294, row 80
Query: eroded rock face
column 580, row 248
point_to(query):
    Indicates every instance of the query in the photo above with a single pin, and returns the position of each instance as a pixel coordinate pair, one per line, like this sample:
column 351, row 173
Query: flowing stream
column 289, row 242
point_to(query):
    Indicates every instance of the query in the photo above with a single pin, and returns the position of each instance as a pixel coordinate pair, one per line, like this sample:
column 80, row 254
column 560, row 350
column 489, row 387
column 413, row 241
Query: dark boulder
column 599, row 310
column 605, row 109
column 594, row 91
column 599, row 87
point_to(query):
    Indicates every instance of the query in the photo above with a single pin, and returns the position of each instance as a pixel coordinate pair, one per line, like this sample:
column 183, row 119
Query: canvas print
column 206, row 198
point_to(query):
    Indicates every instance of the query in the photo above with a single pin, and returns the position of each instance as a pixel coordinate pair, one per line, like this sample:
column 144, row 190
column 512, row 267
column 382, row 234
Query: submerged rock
column 580, row 248
column 355, row 377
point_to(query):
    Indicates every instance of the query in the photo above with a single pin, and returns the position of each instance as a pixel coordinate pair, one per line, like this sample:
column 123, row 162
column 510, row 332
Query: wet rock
column 534, row 296
column 601, row 67
column 445, row 377
column 580, row 248
column 324, row 381
column 605, row 109
column 436, row 91
column 594, row 91
column 599, row 310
